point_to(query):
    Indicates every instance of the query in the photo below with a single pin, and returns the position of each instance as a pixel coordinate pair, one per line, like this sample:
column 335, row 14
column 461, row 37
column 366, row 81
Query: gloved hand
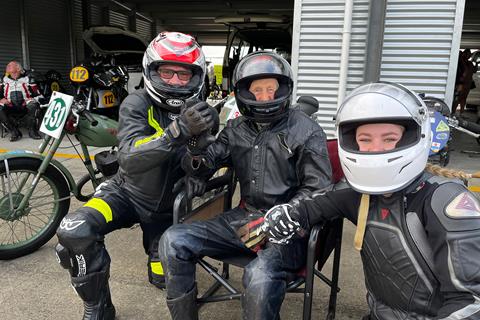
column 197, row 145
column 193, row 121
column 194, row 186
column 281, row 223
column 252, row 234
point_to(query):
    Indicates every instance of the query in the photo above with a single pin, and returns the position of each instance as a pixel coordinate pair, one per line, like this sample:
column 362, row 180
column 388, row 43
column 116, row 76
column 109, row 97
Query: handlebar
column 470, row 126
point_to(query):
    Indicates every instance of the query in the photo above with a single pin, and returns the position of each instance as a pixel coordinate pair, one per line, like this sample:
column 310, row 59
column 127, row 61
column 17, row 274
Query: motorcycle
column 101, row 84
column 442, row 123
column 35, row 188
column 47, row 83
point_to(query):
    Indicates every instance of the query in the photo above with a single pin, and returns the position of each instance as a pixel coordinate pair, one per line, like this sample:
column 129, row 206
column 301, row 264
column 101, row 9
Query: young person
column 418, row 234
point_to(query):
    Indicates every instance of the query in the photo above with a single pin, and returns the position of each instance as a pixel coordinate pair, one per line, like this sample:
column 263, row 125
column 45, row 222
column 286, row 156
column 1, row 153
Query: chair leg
column 332, row 304
column 309, row 277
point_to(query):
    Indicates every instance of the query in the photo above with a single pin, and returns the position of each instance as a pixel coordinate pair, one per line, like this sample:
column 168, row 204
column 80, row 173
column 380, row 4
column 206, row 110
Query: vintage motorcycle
column 47, row 83
column 35, row 188
column 101, row 84
column 442, row 124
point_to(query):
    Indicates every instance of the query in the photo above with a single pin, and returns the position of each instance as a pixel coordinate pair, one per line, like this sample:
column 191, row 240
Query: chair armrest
column 182, row 206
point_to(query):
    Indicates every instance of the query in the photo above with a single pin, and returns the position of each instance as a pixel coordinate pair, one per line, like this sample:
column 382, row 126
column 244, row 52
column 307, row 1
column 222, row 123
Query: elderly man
column 19, row 94
column 279, row 155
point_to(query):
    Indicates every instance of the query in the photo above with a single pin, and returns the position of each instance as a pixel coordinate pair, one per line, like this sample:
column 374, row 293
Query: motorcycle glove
column 194, row 186
column 197, row 145
column 282, row 222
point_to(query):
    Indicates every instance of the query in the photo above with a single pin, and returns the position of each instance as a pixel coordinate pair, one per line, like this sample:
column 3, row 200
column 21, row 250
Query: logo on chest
column 384, row 213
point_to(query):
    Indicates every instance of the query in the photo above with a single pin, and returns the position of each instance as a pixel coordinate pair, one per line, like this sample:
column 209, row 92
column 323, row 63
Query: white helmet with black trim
column 173, row 48
column 385, row 171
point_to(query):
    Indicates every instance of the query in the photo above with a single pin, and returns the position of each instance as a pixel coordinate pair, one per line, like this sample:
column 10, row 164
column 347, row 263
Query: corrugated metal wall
column 96, row 15
column 77, row 30
column 420, row 50
column 144, row 28
column 118, row 19
column 317, row 41
column 48, row 36
column 418, row 43
column 10, row 35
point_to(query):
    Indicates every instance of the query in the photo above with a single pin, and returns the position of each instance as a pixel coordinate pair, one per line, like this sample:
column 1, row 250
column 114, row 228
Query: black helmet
column 261, row 65
column 53, row 75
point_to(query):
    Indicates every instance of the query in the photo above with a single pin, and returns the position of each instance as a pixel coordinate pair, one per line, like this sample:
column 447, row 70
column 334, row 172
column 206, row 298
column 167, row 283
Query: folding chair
column 324, row 238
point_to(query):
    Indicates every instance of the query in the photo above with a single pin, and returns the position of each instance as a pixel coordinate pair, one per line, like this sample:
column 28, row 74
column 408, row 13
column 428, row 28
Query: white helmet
column 387, row 171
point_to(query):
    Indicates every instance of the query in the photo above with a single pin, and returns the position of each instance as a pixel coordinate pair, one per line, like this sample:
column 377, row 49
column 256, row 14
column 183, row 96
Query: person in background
column 19, row 94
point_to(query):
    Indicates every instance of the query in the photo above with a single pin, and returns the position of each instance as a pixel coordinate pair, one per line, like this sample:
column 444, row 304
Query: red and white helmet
column 178, row 49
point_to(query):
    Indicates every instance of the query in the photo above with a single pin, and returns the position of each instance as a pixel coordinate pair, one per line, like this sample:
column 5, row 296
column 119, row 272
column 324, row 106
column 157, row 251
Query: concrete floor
column 36, row 287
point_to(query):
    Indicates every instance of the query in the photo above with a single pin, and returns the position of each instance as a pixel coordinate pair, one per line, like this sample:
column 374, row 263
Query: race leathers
column 421, row 250
column 281, row 162
column 19, row 92
column 141, row 191
column 149, row 160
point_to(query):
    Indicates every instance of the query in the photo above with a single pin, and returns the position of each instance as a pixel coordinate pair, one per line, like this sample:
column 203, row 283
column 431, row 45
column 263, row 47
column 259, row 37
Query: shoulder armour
column 455, row 207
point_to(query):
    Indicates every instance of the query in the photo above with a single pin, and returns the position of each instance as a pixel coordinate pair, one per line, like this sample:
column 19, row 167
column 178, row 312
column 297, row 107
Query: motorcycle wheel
column 24, row 232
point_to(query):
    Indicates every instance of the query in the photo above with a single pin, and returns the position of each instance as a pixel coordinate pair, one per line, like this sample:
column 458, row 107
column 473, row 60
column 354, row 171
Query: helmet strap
column 361, row 221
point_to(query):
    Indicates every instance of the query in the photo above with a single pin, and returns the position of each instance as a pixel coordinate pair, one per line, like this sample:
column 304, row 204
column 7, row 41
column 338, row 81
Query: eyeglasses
column 183, row 75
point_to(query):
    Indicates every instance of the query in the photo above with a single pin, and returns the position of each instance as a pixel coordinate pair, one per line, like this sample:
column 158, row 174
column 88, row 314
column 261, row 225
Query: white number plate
column 57, row 114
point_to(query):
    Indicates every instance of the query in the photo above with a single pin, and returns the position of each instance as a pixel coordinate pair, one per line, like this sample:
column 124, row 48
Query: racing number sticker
column 108, row 99
column 79, row 74
column 56, row 115
column 55, row 86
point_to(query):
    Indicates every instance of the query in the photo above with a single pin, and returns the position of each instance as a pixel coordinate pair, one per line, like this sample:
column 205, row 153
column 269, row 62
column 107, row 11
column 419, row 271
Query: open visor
column 192, row 87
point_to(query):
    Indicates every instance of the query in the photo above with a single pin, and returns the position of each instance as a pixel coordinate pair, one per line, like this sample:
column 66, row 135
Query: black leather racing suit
column 284, row 161
column 421, row 251
column 140, row 192
column 275, row 165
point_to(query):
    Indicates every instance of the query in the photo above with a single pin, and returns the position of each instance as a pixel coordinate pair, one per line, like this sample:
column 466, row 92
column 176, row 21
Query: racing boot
column 32, row 119
column 15, row 134
column 184, row 307
column 93, row 289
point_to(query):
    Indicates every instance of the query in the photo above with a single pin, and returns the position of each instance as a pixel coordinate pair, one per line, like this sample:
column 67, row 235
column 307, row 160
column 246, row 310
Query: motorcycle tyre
column 58, row 182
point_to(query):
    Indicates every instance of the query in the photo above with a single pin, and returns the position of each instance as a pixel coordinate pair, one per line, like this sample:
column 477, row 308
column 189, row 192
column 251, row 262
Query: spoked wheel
column 24, row 231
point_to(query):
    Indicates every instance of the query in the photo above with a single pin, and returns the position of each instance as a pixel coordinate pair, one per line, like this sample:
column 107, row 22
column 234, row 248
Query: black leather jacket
column 149, row 161
column 421, row 250
column 284, row 161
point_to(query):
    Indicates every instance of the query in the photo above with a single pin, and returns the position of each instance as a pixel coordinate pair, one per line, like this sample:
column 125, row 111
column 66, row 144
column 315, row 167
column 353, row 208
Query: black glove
column 282, row 223
column 197, row 145
column 194, row 186
column 193, row 121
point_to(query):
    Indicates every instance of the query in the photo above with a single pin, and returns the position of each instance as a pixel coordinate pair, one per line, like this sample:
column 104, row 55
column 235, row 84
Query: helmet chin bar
column 392, row 170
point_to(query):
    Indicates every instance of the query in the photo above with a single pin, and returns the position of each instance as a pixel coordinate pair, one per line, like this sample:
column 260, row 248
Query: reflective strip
column 101, row 206
column 157, row 268
column 154, row 124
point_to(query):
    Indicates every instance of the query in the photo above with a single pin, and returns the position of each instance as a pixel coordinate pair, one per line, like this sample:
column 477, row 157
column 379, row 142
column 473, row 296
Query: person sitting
column 19, row 94
column 278, row 154
column 417, row 232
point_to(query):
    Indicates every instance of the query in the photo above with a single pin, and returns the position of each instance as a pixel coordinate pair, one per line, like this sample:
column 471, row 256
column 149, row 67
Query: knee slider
column 63, row 257
column 78, row 231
